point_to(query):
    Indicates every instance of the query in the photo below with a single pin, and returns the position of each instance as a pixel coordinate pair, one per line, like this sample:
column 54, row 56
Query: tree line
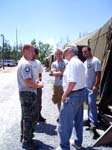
column 15, row 52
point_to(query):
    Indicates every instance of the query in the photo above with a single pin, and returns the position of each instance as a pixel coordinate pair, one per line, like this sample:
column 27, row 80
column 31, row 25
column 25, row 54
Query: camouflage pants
column 39, row 97
column 30, row 114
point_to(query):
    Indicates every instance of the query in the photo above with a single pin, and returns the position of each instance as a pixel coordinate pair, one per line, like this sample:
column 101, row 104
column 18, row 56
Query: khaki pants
column 57, row 94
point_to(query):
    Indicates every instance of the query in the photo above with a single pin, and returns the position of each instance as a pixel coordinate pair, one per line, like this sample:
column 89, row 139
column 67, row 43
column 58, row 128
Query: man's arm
column 68, row 90
column 54, row 72
column 57, row 73
column 97, row 81
column 40, row 76
column 32, row 84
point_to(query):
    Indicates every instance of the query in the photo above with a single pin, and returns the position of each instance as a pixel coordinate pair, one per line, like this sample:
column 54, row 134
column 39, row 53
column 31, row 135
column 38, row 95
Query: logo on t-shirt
column 89, row 65
column 27, row 69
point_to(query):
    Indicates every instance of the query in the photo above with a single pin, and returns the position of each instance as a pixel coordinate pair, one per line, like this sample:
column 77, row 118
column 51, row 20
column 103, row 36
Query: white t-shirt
column 91, row 67
column 74, row 72
column 37, row 68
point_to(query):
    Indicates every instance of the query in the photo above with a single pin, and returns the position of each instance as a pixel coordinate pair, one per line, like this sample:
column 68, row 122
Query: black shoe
column 95, row 135
column 41, row 119
column 86, row 123
column 29, row 146
column 93, row 128
column 21, row 138
column 74, row 145
column 57, row 120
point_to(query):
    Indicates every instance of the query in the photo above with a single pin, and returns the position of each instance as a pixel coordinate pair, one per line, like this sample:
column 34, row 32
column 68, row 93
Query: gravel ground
column 10, row 113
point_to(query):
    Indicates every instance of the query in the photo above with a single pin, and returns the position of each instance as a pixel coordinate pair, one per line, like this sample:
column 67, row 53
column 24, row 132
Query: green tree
column 44, row 50
column 16, row 55
column 34, row 43
column 7, row 50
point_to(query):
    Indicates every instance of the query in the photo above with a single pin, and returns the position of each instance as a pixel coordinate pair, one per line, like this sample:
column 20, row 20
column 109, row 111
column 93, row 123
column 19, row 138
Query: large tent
column 101, row 45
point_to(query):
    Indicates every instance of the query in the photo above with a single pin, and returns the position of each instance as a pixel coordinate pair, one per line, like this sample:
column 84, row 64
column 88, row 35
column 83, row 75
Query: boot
column 29, row 146
column 41, row 119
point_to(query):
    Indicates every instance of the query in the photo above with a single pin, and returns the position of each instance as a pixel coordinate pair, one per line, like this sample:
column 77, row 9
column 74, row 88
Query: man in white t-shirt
column 38, row 69
column 71, row 113
column 93, row 75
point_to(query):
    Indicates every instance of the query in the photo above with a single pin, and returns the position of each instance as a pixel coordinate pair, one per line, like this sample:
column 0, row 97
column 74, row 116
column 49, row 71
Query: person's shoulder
column 96, row 59
column 65, row 61
column 24, row 65
column 23, row 61
column 38, row 61
column 54, row 62
column 85, row 61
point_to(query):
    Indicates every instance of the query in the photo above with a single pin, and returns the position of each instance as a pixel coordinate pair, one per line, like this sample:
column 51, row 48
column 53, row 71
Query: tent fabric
column 84, row 40
column 98, row 42
column 101, row 45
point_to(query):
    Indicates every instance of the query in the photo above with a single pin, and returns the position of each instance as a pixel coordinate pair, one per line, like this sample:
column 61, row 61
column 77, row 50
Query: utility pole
column 3, row 50
column 16, row 40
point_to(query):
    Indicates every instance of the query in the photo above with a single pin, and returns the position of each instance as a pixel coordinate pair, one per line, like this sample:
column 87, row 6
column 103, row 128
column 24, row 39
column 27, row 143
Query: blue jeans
column 71, row 116
column 92, row 108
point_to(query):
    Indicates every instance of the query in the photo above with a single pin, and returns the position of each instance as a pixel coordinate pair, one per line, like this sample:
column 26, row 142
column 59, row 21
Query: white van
column 8, row 62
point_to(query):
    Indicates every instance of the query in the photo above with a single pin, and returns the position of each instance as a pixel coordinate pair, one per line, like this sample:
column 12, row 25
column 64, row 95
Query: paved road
column 10, row 112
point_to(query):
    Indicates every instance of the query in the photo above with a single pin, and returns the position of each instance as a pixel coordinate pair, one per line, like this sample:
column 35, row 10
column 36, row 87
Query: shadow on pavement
column 87, row 148
column 46, row 128
column 42, row 146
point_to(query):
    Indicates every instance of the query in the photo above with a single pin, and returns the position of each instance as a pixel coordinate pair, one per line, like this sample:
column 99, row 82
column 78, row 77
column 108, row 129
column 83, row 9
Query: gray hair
column 74, row 48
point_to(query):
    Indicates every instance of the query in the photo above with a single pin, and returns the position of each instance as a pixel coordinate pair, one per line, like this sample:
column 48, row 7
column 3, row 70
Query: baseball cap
column 72, row 47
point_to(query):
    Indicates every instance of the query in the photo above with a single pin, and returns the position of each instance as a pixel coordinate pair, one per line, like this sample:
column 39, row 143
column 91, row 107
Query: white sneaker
column 58, row 148
column 74, row 145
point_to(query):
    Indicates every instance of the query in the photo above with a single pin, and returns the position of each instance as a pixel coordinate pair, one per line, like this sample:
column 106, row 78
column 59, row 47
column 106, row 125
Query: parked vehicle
column 8, row 62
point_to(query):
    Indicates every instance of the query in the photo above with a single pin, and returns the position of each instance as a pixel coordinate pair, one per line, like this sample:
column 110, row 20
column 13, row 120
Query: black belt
column 77, row 90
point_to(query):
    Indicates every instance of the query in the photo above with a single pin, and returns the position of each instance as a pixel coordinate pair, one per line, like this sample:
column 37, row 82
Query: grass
column 85, row 106
column 97, row 102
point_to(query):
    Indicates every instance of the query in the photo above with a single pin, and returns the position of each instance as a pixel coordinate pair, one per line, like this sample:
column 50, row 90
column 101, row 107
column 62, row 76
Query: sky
column 51, row 21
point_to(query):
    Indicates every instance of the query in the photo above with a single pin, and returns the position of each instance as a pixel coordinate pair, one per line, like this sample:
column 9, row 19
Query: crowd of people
column 75, row 83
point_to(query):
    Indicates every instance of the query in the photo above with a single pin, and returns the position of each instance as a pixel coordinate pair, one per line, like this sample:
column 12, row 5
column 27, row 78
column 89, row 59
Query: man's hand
column 95, row 89
column 63, row 98
column 39, row 83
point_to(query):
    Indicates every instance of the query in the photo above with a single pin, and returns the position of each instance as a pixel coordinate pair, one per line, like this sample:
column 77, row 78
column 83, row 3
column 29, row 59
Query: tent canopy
column 101, row 45
column 84, row 40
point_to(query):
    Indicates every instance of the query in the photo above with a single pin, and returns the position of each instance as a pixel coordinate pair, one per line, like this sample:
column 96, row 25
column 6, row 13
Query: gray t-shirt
column 91, row 67
column 24, row 71
column 58, row 66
